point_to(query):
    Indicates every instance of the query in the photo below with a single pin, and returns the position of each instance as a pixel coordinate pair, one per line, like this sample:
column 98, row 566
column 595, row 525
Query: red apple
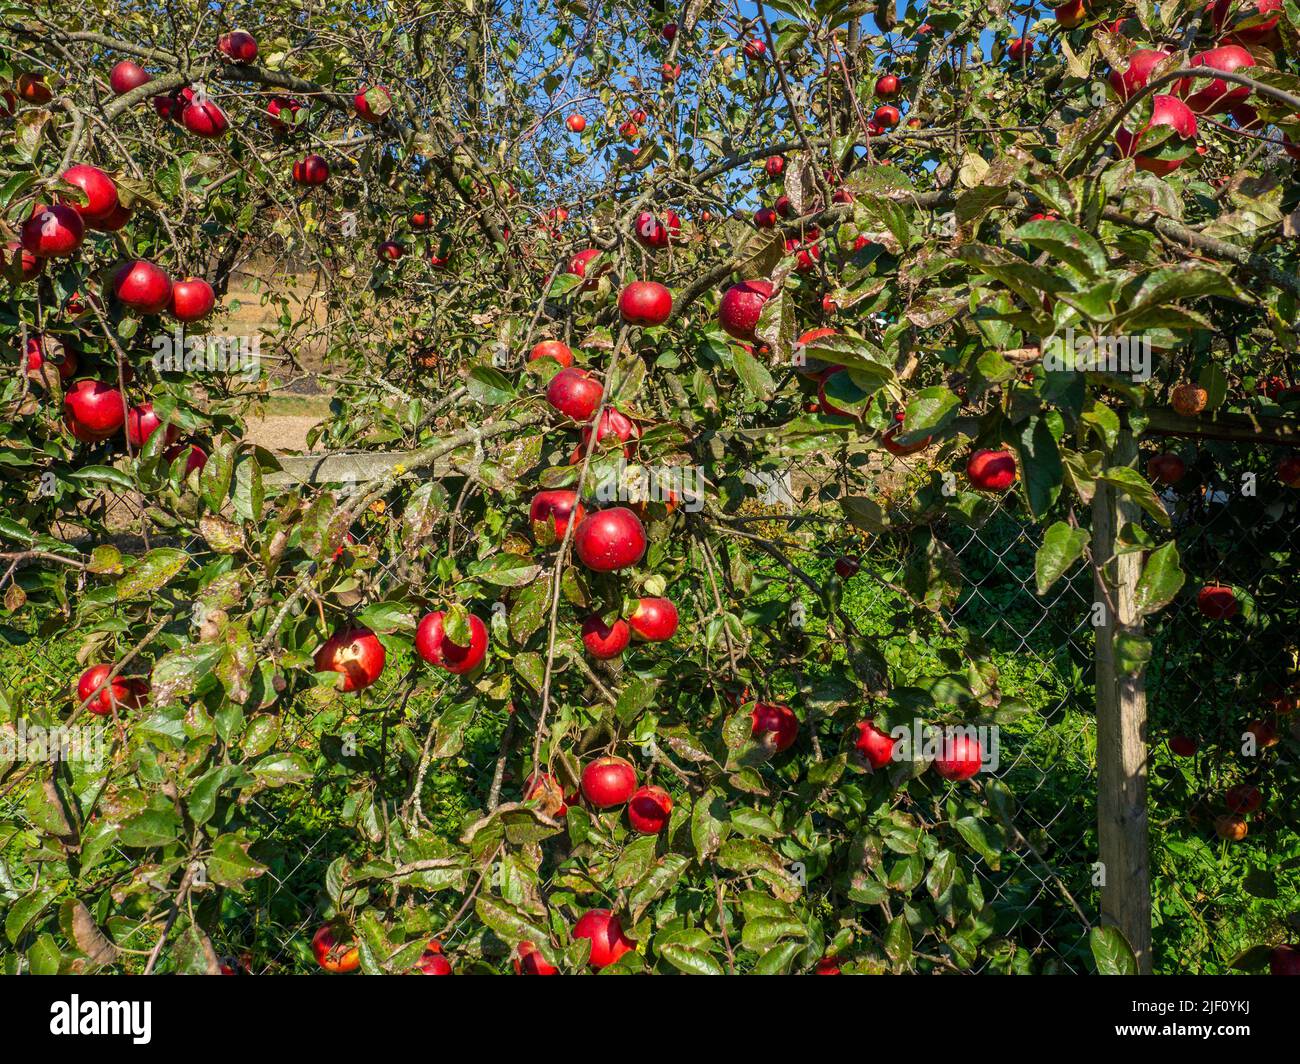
column 142, row 286
column 754, row 48
column 648, row 810
column 765, row 217
column 774, row 165
column 390, row 251
column 117, row 694
column 576, row 123
column 575, row 393
column 1183, row 746
column 282, row 113
column 550, row 512
column 991, row 470
column 101, row 193
column 846, row 567
column 1217, row 602
column 888, row 86
column 1070, row 14
column 669, row 31
column 609, row 540
column 612, row 422
column 205, row 119
column 192, row 299
column 1134, row 77
column 1264, row 734
column 654, row 619
column 603, row 640
column 434, row 645
column 112, row 221
column 1167, row 468
column 420, row 219
column 373, row 110
column 1020, row 48
column 126, row 76
column 741, row 305
column 1263, row 33
column 53, row 232
column 552, row 349
column 1243, row 798
column 546, row 791
column 311, row 170
column 1205, row 96
column 38, row 354
column 95, row 407
column 432, row 962
column 608, row 943
column 333, row 950
column 645, row 303
column 21, row 263
column 142, row 423
column 531, row 962
column 960, row 758
column 32, row 88
column 578, row 266
column 238, row 45
column 774, row 725
column 901, row 450
column 887, row 116
column 196, row 456
column 1165, row 111
column 783, row 207
column 357, row 653
column 875, row 746
column 1232, row 828
column 608, row 781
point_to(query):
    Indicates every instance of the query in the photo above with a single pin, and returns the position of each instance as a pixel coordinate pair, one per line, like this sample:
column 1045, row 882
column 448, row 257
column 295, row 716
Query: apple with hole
column 608, row 782
column 356, row 653
column 876, row 747
column 437, row 648
column 609, row 540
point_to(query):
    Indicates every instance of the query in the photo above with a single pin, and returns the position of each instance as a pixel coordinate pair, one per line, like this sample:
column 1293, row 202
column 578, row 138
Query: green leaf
column 229, row 864
column 154, row 570
column 1062, row 546
column 1111, row 951
column 1133, row 484
column 1161, row 580
column 489, row 386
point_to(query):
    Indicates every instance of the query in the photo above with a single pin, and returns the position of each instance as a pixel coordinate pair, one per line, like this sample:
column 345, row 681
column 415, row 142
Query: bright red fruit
column 432, row 962
column 101, row 193
column 142, row 286
column 1217, row 602
column 553, row 509
column 365, row 111
column 53, row 232
column 648, row 810
column 282, row 113
column 741, row 305
column 333, row 950
column 608, row 942
column 578, row 265
column 434, row 645
column 645, row 303
column 38, row 354
column 112, row 221
column 608, row 781
column 546, row 791
column 238, row 45
column 887, row 116
column 22, row 263
column 357, row 653
column 32, row 88
column 609, row 540
column 1070, row 14
column 1135, row 76
column 575, row 393
column 142, row 422
column 960, row 758
column 195, row 456
column 576, row 123
column 1020, row 48
column 991, row 470
column 603, row 640
column 888, row 86
column 875, row 746
column 1206, row 96
column 192, row 299
column 1165, row 111
column 765, row 217
column 117, row 693
column 774, row 725
column 205, row 119
column 552, row 349
column 754, row 48
column 311, row 170
column 94, row 407
column 126, row 76
column 531, row 962
column 654, row 619
column 774, row 165
column 846, row 567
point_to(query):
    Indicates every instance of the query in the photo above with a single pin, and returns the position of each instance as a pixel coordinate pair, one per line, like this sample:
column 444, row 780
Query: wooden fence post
column 1121, row 725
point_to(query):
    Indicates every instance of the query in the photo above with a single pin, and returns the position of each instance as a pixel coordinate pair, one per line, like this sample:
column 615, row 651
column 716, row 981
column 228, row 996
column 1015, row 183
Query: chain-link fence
column 1217, row 683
